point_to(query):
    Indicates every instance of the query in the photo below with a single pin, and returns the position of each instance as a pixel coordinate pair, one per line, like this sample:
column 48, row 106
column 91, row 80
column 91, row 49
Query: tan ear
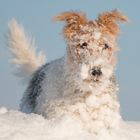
column 72, row 17
column 73, row 21
column 109, row 21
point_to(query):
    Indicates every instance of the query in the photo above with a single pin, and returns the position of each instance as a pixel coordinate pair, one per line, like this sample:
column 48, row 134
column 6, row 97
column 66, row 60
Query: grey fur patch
column 35, row 87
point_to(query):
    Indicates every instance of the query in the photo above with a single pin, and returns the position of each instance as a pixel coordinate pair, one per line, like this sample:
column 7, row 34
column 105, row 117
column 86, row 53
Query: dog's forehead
column 91, row 31
column 87, row 32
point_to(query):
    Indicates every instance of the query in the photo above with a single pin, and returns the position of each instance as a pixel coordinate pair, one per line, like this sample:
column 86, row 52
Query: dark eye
column 84, row 45
column 106, row 46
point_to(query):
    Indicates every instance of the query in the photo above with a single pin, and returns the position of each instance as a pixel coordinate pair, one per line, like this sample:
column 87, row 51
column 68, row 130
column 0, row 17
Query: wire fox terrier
column 82, row 83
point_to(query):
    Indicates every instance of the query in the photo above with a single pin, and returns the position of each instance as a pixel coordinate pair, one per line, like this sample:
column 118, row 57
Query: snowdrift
column 15, row 125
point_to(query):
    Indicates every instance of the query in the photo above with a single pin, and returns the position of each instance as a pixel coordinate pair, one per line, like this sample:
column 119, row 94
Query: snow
column 16, row 125
column 97, row 35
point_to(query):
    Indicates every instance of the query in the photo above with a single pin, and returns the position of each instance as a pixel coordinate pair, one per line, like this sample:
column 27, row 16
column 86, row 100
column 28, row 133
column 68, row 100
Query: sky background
column 36, row 17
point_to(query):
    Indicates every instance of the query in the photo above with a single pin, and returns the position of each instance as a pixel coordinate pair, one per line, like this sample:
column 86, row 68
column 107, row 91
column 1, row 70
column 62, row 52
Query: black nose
column 96, row 72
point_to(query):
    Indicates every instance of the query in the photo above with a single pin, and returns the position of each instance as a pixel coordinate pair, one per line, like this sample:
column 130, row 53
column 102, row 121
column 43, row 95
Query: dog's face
column 92, row 44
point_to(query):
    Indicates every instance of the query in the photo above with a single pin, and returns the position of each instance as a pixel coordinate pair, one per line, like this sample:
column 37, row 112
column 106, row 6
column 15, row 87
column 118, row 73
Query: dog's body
column 81, row 84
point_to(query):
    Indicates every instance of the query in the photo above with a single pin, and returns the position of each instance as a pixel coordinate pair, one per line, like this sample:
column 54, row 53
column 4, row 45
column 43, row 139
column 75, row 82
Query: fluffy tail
column 23, row 52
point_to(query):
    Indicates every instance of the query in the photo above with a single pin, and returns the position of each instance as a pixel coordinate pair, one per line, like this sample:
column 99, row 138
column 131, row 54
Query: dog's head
column 92, row 42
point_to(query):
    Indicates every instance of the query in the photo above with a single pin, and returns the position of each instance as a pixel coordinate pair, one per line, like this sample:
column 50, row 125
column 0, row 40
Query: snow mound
column 15, row 125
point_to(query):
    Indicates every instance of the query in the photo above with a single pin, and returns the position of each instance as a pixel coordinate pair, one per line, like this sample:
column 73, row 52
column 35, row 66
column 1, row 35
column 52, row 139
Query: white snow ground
column 15, row 125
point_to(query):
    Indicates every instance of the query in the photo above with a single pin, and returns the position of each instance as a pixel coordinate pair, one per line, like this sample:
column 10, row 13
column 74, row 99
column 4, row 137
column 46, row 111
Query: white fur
column 97, row 35
column 84, row 71
column 23, row 51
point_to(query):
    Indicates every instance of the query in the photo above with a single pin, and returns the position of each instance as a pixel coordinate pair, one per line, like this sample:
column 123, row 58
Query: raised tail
column 23, row 51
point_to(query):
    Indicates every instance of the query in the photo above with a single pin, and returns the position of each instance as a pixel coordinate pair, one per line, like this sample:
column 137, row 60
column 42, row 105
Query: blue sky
column 36, row 17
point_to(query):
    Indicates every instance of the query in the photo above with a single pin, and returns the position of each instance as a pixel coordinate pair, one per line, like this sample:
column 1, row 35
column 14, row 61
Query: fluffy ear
column 109, row 21
column 73, row 21
column 72, row 17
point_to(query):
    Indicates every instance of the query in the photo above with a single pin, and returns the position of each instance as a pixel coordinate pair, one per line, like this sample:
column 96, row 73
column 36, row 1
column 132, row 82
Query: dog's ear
column 72, row 17
column 73, row 21
column 108, row 21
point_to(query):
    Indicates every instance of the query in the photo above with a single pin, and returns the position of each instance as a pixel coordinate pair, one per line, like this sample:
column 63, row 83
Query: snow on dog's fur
column 82, row 83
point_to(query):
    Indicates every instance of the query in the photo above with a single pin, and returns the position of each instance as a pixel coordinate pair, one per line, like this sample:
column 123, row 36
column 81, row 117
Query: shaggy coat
column 82, row 83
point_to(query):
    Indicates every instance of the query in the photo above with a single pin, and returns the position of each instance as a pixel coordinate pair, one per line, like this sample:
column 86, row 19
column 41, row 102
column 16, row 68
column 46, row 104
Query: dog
column 82, row 83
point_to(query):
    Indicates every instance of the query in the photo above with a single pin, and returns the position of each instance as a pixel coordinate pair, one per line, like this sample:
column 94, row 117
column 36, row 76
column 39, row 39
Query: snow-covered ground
column 15, row 125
